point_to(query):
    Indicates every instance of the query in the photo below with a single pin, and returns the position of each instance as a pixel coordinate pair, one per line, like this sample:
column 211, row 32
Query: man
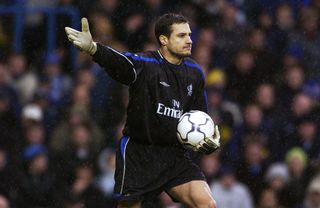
column 162, row 84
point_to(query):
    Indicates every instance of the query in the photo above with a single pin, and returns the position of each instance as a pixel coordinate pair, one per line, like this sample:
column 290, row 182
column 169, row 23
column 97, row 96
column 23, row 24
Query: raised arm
column 117, row 65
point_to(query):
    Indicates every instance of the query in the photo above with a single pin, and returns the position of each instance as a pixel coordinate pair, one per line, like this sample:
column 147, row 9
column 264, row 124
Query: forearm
column 118, row 66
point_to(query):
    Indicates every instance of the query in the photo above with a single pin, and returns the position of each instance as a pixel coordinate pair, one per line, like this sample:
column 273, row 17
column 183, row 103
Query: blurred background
column 61, row 116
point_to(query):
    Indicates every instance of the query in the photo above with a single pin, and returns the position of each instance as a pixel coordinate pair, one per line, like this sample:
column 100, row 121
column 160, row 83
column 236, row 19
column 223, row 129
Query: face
column 294, row 77
column 227, row 181
column 285, row 17
column 253, row 153
column 4, row 202
column 179, row 42
column 35, row 135
column 39, row 164
column 314, row 198
column 265, row 96
column 244, row 62
column 253, row 116
column 268, row 199
column 307, row 130
column 302, row 105
column 296, row 166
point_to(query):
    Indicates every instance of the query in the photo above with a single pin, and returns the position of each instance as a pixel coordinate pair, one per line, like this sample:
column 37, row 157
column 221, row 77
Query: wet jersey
column 160, row 92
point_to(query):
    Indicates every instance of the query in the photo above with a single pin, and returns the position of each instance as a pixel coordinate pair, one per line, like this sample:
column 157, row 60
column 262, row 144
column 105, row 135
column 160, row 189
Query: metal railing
column 18, row 10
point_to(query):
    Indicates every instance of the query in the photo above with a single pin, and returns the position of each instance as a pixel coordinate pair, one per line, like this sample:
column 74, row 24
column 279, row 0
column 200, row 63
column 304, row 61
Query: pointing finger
column 71, row 30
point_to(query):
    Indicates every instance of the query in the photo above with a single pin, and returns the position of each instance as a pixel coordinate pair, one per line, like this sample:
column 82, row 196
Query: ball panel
column 194, row 137
column 198, row 118
column 184, row 126
column 207, row 128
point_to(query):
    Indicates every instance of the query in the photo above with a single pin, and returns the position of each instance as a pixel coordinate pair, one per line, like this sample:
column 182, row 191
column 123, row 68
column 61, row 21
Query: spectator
column 284, row 24
column 94, row 82
column 103, row 30
column 296, row 160
column 8, row 91
column 307, row 38
column 268, row 199
column 241, row 78
column 312, row 199
column 301, row 107
column 4, row 202
column 253, row 124
column 307, row 138
column 105, row 180
column 4, row 38
column 277, row 176
column 134, row 29
column 202, row 54
column 31, row 114
column 251, row 168
column 228, row 192
column 49, row 113
column 223, row 111
column 80, row 147
column 230, row 34
column 76, row 116
column 34, row 134
column 293, row 56
column 219, row 101
column 82, row 187
column 292, row 83
column 210, row 165
column 266, row 99
column 9, row 124
column 8, row 176
column 266, row 63
column 23, row 80
column 285, row 19
column 36, row 186
column 58, row 83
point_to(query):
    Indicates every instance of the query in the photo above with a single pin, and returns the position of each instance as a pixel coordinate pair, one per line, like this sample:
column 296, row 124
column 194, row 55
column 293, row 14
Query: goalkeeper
column 163, row 84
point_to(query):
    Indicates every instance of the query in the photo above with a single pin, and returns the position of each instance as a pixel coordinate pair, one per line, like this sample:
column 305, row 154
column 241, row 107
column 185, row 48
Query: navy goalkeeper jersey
column 160, row 92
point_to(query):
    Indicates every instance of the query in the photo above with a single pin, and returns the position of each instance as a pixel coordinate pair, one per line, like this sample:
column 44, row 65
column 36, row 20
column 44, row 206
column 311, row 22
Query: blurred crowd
column 59, row 126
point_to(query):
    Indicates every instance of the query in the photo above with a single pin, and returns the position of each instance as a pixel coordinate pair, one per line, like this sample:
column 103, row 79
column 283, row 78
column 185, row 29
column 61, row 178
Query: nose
column 189, row 41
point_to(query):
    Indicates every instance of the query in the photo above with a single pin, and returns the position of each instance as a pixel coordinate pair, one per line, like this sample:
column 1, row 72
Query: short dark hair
column 164, row 23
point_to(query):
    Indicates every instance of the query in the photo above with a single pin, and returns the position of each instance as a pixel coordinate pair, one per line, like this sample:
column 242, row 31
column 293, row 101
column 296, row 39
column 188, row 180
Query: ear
column 163, row 40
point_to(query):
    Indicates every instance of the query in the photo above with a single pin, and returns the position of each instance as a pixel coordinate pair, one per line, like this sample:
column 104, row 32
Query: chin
column 185, row 54
column 181, row 54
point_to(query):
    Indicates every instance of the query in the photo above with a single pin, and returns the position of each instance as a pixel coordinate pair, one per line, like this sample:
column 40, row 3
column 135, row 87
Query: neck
column 171, row 58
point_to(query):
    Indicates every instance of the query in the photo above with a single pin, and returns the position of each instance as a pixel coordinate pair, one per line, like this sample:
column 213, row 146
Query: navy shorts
column 144, row 171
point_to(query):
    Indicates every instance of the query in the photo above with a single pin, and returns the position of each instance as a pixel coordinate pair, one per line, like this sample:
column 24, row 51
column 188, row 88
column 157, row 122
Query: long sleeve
column 118, row 66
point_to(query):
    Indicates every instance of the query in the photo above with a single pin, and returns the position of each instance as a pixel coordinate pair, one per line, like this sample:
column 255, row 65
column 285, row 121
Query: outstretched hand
column 209, row 144
column 82, row 39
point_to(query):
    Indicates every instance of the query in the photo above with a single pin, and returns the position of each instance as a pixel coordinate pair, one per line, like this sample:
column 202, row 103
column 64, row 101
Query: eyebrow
column 184, row 33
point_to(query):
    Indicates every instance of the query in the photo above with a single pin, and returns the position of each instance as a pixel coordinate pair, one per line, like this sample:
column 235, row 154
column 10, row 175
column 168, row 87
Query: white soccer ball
column 193, row 127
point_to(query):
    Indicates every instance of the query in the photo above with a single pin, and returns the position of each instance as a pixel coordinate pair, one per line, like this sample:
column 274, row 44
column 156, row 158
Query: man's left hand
column 209, row 144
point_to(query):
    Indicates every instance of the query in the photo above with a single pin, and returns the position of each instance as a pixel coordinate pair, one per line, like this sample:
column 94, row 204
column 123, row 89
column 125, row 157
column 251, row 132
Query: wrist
column 93, row 48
